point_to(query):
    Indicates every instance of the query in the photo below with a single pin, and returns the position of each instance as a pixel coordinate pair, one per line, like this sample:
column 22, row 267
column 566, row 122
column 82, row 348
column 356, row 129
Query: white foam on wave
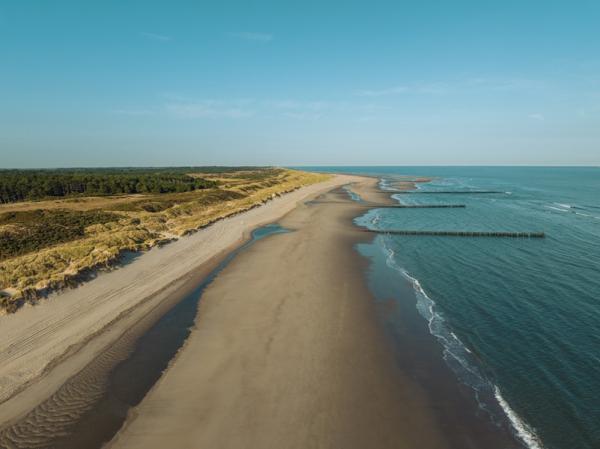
column 524, row 432
column 564, row 206
column 567, row 208
column 368, row 220
column 404, row 200
column 455, row 350
column 352, row 194
column 458, row 339
column 375, row 219
column 587, row 215
column 384, row 184
column 556, row 208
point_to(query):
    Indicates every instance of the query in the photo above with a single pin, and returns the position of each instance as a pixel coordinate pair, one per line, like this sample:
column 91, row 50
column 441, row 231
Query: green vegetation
column 47, row 244
column 23, row 185
column 160, row 203
column 27, row 231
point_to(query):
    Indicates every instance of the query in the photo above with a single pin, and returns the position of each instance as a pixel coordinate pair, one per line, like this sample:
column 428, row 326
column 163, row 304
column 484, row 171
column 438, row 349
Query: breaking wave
column 462, row 360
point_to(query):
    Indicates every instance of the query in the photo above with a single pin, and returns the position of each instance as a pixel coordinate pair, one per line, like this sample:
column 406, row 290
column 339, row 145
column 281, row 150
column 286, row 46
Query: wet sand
column 287, row 352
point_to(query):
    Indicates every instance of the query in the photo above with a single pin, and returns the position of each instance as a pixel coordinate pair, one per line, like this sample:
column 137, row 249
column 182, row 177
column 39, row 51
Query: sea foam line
column 439, row 329
column 557, row 208
column 384, row 184
column 569, row 209
column 524, row 432
column 352, row 194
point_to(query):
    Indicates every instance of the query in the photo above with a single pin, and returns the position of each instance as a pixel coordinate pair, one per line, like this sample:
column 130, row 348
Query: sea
column 517, row 319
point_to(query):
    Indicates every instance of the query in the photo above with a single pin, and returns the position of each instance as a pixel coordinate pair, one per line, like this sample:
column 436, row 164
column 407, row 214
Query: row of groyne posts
column 441, row 206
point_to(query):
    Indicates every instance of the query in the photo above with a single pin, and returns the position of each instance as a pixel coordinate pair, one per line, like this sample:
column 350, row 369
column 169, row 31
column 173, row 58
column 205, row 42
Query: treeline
column 23, row 185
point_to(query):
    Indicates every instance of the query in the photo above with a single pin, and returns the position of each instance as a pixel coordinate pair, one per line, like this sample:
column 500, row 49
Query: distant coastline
column 293, row 321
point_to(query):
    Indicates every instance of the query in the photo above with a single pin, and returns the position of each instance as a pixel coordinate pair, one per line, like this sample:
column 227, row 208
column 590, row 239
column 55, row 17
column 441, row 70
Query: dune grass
column 52, row 246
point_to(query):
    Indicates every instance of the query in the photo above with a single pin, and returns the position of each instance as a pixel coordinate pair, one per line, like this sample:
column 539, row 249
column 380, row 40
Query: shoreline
column 43, row 344
column 421, row 357
column 305, row 366
column 198, row 402
column 394, row 404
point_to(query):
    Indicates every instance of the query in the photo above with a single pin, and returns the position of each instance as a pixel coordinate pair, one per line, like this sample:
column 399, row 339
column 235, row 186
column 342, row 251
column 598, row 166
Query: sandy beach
column 45, row 345
column 288, row 346
column 286, row 352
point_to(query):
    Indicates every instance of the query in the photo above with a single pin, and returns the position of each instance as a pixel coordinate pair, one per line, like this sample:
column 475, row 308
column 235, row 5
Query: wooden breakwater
column 391, row 206
column 416, row 206
column 435, row 192
column 530, row 235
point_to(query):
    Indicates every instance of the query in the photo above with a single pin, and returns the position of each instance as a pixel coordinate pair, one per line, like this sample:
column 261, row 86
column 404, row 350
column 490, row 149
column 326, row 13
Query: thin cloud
column 252, row 36
column 295, row 105
column 505, row 84
column 302, row 115
column 537, row 116
column 156, row 37
column 179, row 106
column 133, row 112
column 207, row 109
column 418, row 88
column 442, row 88
column 366, row 118
column 382, row 92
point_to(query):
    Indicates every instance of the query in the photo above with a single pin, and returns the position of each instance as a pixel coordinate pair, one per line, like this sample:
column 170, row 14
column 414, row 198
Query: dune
column 42, row 346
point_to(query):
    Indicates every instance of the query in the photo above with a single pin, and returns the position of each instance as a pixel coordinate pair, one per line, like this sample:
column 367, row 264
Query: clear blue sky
column 108, row 83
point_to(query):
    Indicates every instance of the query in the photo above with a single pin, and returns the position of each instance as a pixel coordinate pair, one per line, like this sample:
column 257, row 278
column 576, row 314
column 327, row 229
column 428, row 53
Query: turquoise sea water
column 519, row 319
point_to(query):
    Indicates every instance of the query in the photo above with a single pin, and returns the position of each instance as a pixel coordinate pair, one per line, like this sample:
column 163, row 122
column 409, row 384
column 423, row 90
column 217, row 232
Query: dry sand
column 41, row 346
column 287, row 353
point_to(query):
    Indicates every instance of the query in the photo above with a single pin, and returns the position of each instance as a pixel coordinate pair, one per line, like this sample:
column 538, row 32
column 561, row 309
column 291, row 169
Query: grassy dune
column 48, row 245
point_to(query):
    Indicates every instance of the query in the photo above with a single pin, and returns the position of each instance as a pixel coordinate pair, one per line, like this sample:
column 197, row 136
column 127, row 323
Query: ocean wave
column 353, row 195
column 455, row 352
column 384, row 184
column 376, row 218
column 556, row 208
column 572, row 209
column 524, row 432
column 587, row 215
column 403, row 199
column 569, row 207
column 564, row 206
column 462, row 360
column 452, row 183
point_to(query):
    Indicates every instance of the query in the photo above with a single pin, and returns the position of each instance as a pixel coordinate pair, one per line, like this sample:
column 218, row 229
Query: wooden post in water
column 419, row 206
column 433, row 192
column 537, row 235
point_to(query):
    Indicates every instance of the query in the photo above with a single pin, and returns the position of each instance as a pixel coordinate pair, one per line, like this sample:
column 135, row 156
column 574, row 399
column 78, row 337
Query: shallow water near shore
column 420, row 358
column 516, row 319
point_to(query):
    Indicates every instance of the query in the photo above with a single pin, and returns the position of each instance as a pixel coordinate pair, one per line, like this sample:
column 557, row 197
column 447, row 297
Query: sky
column 148, row 83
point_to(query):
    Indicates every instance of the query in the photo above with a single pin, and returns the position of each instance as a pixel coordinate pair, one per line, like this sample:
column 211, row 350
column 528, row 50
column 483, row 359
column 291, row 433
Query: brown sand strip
column 287, row 353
